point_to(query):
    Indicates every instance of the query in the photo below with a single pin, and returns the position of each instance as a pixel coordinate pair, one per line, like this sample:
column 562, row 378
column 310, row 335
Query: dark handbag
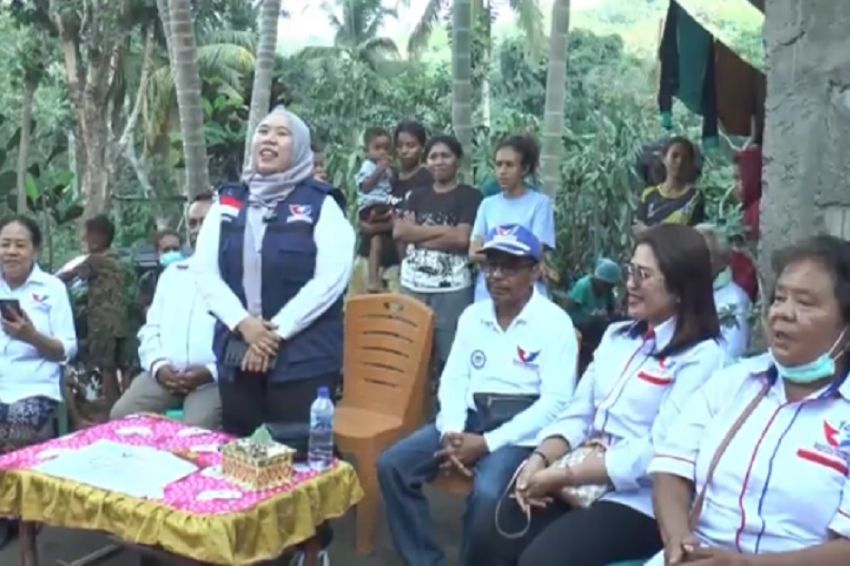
column 495, row 409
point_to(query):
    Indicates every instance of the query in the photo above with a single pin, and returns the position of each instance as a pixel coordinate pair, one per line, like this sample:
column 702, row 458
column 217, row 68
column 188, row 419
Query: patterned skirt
column 25, row 422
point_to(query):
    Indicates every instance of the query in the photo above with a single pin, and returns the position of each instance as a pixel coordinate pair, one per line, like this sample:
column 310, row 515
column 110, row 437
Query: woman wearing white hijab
column 273, row 260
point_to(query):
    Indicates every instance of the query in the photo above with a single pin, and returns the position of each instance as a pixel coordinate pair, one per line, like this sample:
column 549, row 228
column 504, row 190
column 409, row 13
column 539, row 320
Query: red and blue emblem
column 300, row 213
column 526, row 357
column 837, row 436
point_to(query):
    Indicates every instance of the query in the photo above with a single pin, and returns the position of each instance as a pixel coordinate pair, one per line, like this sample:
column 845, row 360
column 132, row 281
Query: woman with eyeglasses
column 642, row 373
column 755, row 469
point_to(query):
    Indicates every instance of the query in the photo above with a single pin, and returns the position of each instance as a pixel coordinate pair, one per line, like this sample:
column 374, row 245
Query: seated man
column 731, row 301
column 510, row 372
column 591, row 305
column 176, row 346
column 592, row 296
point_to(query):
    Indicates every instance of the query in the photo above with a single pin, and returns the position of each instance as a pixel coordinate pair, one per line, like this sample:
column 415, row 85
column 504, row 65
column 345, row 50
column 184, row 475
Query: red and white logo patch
column 230, row 206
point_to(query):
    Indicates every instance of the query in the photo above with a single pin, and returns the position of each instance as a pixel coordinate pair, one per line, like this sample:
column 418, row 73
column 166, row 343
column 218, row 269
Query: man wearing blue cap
column 511, row 371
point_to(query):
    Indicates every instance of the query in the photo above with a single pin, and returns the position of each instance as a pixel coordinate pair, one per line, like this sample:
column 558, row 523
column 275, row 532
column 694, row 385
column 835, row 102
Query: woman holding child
column 381, row 188
column 642, row 373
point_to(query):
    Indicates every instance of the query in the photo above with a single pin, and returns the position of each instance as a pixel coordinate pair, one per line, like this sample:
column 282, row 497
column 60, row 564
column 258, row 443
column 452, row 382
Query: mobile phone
column 10, row 308
column 235, row 351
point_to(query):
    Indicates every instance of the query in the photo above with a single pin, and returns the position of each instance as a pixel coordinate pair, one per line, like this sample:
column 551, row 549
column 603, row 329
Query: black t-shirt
column 427, row 270
column 400, row 188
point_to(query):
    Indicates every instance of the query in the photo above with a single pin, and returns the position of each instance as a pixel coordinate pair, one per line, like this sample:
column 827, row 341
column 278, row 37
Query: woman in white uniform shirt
column 779, row 493
column 642, row 373
column 34, row 340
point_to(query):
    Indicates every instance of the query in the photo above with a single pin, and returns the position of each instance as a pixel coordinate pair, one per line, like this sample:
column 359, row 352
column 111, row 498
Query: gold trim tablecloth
column 279, row 521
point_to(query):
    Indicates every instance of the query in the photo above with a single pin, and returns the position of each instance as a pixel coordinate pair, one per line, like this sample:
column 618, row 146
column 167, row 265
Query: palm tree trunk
column 187, row 81
column 462, row 74
column 556, row 94
column 24, row 144
column 262, row 91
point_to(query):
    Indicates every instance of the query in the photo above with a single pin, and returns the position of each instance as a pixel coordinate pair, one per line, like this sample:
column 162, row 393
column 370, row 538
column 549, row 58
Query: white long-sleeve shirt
column 179, row 328
column 630, row 399
column 334, row 238
column 536, row 355
column 782, row 483
column 24, row 372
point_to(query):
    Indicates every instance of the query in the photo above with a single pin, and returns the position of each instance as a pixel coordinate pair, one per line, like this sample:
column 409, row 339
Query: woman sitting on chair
column 37, row 335
column 754, row 470
column 598, row 509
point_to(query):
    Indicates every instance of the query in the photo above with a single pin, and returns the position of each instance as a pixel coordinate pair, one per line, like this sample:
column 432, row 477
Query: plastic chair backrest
column 388, row 339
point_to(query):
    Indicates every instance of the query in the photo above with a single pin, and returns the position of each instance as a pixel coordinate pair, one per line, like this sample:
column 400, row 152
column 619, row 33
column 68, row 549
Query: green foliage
column 339, row 98
column 356, row 24
column 360, row 82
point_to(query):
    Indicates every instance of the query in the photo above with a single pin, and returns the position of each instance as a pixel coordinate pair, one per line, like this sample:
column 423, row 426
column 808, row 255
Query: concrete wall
column 807, row 136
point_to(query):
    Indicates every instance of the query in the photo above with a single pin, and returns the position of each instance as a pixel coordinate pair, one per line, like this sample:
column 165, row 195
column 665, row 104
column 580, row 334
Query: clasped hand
column 183, row 382
column 685, row 548
column 536, row 483
column 263, row 343
column 460, row 451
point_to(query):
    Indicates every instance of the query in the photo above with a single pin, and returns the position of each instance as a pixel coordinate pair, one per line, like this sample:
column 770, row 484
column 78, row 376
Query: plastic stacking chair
column 388, row 341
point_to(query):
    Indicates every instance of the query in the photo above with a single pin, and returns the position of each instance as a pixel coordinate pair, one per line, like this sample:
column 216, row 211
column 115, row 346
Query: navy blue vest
column 288, row 263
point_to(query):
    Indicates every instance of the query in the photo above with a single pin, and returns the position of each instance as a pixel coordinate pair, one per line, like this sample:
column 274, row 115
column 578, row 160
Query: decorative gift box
column 257, row 462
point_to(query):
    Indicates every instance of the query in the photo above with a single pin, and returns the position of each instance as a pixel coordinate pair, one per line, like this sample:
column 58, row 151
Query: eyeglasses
column 507, row 268
column 638, row 274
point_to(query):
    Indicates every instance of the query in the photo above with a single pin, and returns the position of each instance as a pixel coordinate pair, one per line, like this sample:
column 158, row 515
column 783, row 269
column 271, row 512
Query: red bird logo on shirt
column 837, row 437
column 525, row 356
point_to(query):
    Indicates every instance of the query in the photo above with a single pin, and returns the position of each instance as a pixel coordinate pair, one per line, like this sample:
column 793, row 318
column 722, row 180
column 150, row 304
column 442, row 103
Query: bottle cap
column 324, row 393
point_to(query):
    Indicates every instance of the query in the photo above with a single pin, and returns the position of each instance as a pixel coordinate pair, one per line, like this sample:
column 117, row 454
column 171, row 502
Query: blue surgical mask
column 168, row 258
column 820, row 368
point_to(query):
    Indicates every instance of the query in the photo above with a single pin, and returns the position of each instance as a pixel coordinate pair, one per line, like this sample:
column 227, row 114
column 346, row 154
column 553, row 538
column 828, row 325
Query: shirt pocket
column 39, row 313
column 813, row 460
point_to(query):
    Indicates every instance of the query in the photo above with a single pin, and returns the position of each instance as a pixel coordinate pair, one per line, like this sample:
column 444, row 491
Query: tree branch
column 133, row 118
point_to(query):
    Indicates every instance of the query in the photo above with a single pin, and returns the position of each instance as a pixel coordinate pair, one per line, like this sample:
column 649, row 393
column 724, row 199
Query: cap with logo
column 515, row 240
column 608, row 271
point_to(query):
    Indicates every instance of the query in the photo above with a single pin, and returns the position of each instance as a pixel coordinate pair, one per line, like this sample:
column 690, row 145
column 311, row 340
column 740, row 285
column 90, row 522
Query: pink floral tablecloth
column 205, row 492
column 202, row 516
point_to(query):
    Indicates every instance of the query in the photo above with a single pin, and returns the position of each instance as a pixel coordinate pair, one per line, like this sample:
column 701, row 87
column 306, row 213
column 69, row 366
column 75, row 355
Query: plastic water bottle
column 321, row 446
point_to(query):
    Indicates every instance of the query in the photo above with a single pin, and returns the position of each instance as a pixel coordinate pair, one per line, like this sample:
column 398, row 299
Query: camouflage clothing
column 106, row 312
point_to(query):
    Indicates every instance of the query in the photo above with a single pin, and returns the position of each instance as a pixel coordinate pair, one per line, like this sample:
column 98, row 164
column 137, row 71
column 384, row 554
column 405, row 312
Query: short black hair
column 413, row 128
column 27, row 222
column 450, row 142
column 830, row 252
column 101, row 224
column 204, row 196
column 373, row 132
column 527, row 148
column 160, row 234
column 685, row 263
column 689, row 146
